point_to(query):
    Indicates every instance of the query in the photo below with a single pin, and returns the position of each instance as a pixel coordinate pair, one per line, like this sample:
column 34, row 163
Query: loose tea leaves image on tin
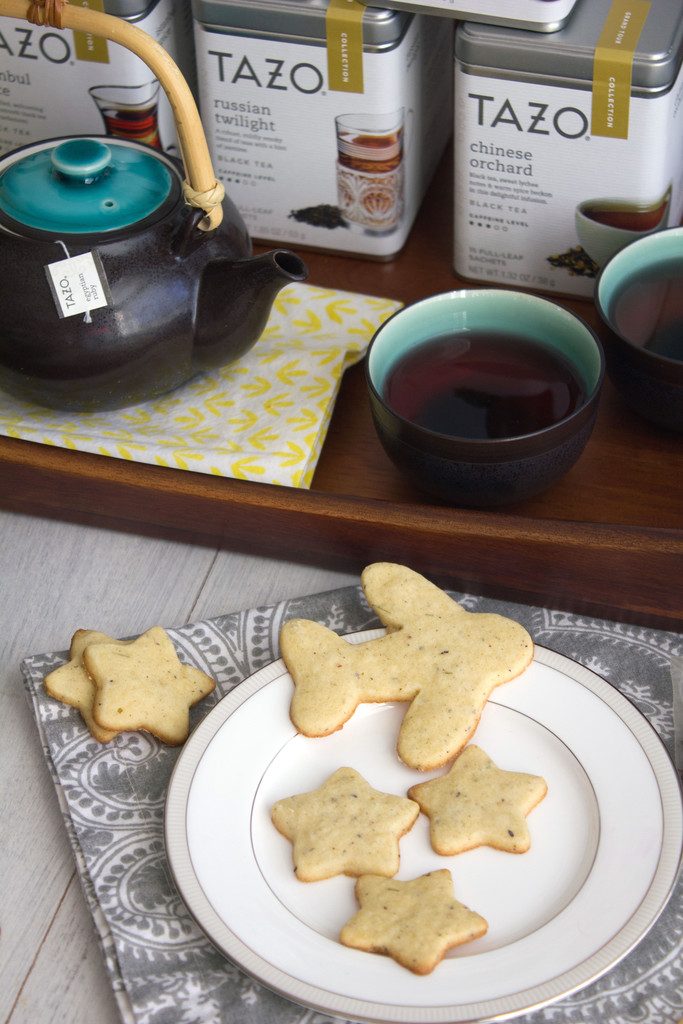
column 322, row 216
column 577, row 261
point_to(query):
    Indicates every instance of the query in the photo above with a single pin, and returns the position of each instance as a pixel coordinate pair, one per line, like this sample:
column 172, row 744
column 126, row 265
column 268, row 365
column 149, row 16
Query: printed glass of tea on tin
column 604, row 226
column 639, row 295
column 484, row 396
column 130, row 111
column 370, row 178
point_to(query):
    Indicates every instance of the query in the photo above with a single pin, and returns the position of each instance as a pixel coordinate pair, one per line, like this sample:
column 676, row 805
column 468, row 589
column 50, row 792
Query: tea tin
column 535, row 15
column 567, row 145
column 325, row 119
column 56, row 83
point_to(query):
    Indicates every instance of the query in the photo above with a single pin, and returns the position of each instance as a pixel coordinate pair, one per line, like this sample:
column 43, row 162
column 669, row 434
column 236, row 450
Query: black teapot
column 120, row 278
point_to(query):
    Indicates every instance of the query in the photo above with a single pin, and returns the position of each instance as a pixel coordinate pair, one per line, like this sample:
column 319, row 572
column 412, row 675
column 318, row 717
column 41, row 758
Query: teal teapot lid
column 84, row 186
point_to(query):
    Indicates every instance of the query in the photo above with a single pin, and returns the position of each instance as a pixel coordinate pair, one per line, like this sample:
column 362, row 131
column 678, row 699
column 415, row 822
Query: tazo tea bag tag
column 74, row 193
column 78, row 284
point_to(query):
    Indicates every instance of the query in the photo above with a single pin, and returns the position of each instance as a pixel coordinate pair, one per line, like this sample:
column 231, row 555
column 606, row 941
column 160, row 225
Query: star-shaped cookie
column 142, row 684
column 414, row 922
column 478, row 804
column 345, row 827
column 435, row 654
column 72, row 685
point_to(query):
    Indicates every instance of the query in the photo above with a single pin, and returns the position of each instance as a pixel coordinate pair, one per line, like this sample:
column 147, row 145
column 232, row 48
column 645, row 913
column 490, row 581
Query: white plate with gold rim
column 606, row 846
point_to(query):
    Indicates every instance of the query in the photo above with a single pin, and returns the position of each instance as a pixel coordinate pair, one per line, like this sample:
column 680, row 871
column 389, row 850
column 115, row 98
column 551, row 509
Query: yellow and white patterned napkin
column 262, row 418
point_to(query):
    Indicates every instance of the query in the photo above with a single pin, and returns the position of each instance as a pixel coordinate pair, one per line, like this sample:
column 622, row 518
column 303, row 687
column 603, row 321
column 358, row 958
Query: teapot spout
column 234, row 303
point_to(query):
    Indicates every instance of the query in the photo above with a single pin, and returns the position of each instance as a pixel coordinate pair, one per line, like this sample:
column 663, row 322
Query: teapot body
column 150, row 280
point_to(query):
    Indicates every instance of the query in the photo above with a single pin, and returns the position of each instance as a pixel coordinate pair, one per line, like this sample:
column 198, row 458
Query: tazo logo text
column 270, row 73
column 533, row 119
column 67, row 293
column 32, row 45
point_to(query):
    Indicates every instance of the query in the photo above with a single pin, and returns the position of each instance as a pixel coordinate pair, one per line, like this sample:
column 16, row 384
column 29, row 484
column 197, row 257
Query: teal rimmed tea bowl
column 484, row 471
column 649, row 381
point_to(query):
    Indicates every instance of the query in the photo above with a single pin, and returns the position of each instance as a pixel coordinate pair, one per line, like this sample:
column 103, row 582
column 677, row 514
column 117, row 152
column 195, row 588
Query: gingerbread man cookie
column 435, row 654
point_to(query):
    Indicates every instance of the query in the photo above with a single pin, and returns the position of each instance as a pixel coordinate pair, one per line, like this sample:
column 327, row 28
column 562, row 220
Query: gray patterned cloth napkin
column 162, row 968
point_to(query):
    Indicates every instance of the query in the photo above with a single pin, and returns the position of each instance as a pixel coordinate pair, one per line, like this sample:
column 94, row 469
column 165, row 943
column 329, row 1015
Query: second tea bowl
column 639, row 295
column 531, row 451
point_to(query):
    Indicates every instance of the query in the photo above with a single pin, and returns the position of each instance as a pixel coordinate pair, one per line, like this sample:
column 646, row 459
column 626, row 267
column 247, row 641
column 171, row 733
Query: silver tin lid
column 535, row 15
column 567, row 55
column 295, row 19
column 132, row 10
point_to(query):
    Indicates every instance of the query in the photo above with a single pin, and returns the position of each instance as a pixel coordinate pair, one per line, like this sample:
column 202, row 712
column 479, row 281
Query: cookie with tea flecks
column 344, row 827
column 478, row 804
column 142, row 684
column 442, row 659
column 71, row 684
column 415, row 922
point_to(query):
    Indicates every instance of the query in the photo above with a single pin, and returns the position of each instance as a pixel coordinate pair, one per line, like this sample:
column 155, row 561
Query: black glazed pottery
column 488, row 472
column 179, row 300
column 650, row 383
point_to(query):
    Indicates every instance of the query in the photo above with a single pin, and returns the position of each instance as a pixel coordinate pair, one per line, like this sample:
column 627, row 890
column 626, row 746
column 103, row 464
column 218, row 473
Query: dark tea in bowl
column 484, row 397
column 482, row 386
column 639, row 295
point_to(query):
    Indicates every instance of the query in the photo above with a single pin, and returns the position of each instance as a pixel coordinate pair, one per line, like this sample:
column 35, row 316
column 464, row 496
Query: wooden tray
column 607, row 540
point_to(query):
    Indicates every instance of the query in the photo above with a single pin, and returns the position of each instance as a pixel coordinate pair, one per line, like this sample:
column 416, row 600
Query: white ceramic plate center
column 605, row 847
column 519, row 894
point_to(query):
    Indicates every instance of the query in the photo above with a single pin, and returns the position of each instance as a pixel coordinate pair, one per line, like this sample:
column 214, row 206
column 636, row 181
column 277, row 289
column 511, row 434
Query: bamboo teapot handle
column 201, row 188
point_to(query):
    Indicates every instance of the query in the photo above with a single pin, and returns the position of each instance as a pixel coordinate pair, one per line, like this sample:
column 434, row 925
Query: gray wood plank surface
column 56, row 578
column 236, row 582
column 68, row 981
